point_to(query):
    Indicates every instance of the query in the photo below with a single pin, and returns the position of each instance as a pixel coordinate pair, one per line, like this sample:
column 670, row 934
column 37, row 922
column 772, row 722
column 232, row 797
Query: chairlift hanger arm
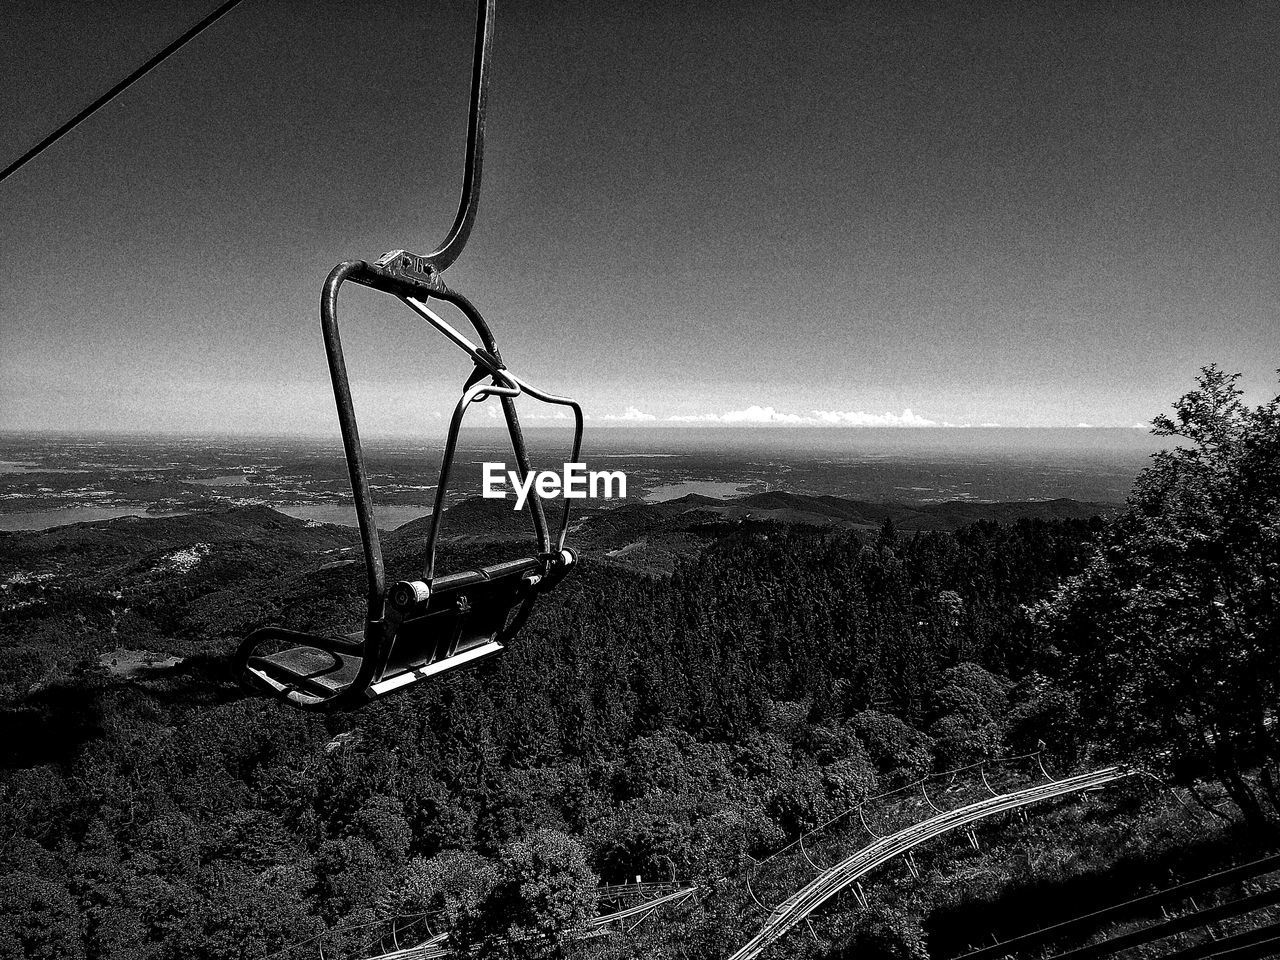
column 409, row 274
column 426, row 270
column 445, row 254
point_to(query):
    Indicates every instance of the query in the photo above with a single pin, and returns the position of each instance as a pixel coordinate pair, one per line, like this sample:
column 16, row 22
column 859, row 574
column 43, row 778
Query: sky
column 812, row 213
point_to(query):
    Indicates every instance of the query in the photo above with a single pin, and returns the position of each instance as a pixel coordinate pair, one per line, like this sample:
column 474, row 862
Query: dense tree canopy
column 1172, row 631
column 664, row 727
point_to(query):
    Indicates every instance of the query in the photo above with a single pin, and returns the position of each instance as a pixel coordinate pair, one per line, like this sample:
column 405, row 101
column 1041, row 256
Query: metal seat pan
column 463, row 622
column 310, row 676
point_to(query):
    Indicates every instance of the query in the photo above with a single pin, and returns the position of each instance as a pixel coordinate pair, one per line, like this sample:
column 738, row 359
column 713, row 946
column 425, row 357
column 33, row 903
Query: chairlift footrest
column 319, row 678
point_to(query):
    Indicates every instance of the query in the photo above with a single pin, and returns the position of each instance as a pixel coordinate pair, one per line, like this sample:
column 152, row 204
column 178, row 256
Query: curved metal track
column 437, row 947
column 796, row 908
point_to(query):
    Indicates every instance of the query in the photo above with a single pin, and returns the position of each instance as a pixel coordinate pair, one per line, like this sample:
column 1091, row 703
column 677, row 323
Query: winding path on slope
column 796, row 908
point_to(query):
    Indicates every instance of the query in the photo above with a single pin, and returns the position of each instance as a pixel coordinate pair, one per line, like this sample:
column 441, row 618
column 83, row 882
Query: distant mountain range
column 653, row 535
column 69, row 593
column 838, row 511
column 644, row 535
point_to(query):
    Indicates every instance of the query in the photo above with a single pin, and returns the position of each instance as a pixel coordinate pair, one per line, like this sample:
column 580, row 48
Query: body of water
column 230, row 480
column 716, row 489
column 388, row 516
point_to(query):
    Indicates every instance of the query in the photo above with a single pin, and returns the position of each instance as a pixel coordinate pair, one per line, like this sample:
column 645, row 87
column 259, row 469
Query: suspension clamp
column 413, row 274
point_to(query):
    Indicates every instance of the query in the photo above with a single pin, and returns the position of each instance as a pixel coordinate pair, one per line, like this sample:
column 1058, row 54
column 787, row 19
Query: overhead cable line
column 117, row 89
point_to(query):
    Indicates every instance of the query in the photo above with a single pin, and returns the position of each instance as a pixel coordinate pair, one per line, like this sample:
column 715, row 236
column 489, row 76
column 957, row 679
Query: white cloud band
column 768, row 415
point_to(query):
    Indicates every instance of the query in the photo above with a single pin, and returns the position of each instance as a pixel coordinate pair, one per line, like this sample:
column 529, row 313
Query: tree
column 381, row 822
column 1171, row 632
column 543, row 893
column 239, row 916
column 896, row 748
column 38, row 919
column 881, row 933
column 349, row 876
column 970, row 708
column 647, row 845
column 451, row 884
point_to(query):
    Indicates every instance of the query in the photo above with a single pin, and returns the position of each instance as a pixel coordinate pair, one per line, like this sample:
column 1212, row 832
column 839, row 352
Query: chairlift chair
column 420, row 628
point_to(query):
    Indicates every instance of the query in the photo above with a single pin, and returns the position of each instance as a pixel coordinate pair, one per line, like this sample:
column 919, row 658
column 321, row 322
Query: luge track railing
column 796, row 908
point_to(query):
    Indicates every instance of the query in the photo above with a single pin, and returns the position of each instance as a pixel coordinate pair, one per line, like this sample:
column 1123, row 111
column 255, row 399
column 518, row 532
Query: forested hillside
column 664, row 720
column 655, row 723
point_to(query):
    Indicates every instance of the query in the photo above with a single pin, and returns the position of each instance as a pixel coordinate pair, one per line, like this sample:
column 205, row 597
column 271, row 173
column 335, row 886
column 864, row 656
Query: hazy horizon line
column 612, row 427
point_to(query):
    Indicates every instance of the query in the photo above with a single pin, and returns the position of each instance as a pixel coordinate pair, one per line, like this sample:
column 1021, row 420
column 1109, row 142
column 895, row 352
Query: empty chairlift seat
column 466, row 617
column 420, row 628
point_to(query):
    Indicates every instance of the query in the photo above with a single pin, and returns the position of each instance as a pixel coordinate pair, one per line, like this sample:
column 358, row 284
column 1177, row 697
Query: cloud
column 632, row 415
column 856, row 418
column 815, row 418
column 752, row 414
